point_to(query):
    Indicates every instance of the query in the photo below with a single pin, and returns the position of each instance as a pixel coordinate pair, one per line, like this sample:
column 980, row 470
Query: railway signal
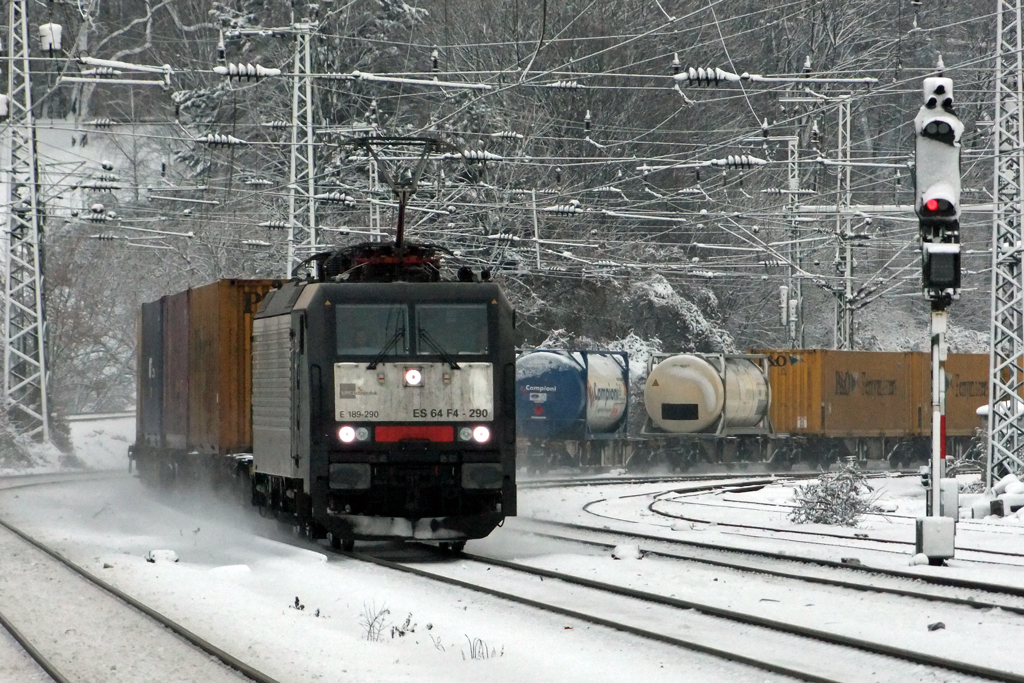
column 937, row 194
column 937, row 203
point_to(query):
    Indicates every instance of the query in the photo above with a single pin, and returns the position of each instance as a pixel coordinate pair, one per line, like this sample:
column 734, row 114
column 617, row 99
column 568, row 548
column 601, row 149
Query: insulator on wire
column 815, row 134
column 337, row 198
column 481, row 155
column 106, row 165
column 570, row 209
column 247, row 71
column 558, row 175
column 739, row 161
column 256, row 243
column 100, row 185
column 564, row 85
column 258, row 182
column 220, row 140
column 49, row 37
column 587, row 121
column 108, row 177
column 101, row 123
column 435, row 58
column 677, row 66
column 222, row 50
column 105, row 236
column 102, row 72
column 709, row 76
column 276, row 124
column 765, row 132
column 807, row 64
column 507, row 135
column 275, row 225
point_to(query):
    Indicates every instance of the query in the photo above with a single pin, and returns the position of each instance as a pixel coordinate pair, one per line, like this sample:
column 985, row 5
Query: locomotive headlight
column 481, row 434
column 413, row 377
column 465, row 433
column 347, row 434
column 362, row 434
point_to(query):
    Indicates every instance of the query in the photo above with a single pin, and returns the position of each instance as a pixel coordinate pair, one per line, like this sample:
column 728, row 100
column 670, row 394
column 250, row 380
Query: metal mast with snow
column 25, row 374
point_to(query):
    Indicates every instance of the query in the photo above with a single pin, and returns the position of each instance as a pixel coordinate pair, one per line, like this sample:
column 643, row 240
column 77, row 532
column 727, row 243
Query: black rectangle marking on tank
column 679, row 411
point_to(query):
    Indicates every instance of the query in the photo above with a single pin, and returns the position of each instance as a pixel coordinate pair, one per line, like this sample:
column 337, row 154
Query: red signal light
column 932, row 205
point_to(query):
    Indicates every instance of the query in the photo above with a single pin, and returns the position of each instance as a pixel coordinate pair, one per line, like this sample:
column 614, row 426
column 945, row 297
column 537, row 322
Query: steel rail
column 731, row 615
column 822, row 534
column 763, row 622
column 600, row 621
column 839, row 583
column 937, row 580
column 34, row 653
column 199, row 642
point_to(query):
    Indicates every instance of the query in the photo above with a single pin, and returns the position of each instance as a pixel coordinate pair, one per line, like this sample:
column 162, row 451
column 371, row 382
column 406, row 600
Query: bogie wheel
column 335, row 541
column 348, row 545
column 458, row 546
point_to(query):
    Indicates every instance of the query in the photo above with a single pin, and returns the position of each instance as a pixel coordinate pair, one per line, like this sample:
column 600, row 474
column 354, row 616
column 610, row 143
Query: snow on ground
column 98, row 445
column 237, row 587
column 236, row 582
column 103, row 444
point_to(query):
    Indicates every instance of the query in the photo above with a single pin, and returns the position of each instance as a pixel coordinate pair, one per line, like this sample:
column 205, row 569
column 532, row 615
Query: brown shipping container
column 841, row 393
column 176, row 370
column 220, row 364
column 966, row 389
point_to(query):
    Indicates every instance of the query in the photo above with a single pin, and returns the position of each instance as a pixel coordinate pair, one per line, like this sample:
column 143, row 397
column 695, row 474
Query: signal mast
column 937, row 204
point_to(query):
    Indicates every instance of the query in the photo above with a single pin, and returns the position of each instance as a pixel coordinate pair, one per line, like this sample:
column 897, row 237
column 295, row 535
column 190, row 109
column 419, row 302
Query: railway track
column 715, row 554
column 661, row 479
column 84, row 617
column 904, row 584
column 859, row 541
column 799, row 651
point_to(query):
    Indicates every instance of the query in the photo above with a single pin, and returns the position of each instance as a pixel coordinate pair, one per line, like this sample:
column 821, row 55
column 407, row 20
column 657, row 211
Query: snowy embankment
column 98, row 445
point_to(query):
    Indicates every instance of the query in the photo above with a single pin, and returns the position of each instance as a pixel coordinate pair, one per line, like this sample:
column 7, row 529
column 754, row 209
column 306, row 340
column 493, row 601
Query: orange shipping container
column 220, row 364
column 841, row 393
column 966, row 390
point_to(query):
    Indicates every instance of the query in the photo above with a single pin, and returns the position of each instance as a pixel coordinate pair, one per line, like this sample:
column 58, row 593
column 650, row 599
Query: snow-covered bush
column 835, row 498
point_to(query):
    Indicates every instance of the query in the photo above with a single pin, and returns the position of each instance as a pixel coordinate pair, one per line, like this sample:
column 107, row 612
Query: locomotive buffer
column 937, row 204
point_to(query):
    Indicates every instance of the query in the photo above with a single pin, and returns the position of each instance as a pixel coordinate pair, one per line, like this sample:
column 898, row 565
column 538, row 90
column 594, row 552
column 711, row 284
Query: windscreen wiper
column 399, row 334
column 436, row 348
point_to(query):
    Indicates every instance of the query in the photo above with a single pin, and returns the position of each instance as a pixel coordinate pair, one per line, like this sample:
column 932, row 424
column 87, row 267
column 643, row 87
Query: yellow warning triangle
column 327, row 303
column 655, row 384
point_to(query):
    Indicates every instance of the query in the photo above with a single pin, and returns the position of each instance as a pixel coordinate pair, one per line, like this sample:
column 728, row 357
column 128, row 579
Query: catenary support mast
column 303, row 239
column 25, row 375
column 1005, row 428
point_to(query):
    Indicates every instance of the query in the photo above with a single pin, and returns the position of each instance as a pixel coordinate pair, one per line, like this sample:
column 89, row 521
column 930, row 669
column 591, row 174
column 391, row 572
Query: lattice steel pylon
column 25, row 376
column 1006, row 373
column 843, row 328
column 303, row 238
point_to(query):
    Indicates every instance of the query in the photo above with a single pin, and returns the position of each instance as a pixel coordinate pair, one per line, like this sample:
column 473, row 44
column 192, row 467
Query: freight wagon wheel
column 455, row 547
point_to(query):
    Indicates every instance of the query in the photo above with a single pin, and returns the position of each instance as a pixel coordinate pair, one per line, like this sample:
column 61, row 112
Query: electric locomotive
column 383, row 400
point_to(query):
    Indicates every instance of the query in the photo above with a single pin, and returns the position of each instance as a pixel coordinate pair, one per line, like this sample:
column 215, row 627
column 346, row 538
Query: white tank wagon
column 607, row 392
column 708, row 393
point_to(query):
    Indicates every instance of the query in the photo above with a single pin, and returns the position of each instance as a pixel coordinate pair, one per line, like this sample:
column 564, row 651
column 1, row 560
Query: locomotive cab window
column 368, row 329
column 456, row 329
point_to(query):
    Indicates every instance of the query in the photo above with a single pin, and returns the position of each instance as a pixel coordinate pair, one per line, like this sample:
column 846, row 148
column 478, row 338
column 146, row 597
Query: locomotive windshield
column 368, row 330
column 455, row 328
